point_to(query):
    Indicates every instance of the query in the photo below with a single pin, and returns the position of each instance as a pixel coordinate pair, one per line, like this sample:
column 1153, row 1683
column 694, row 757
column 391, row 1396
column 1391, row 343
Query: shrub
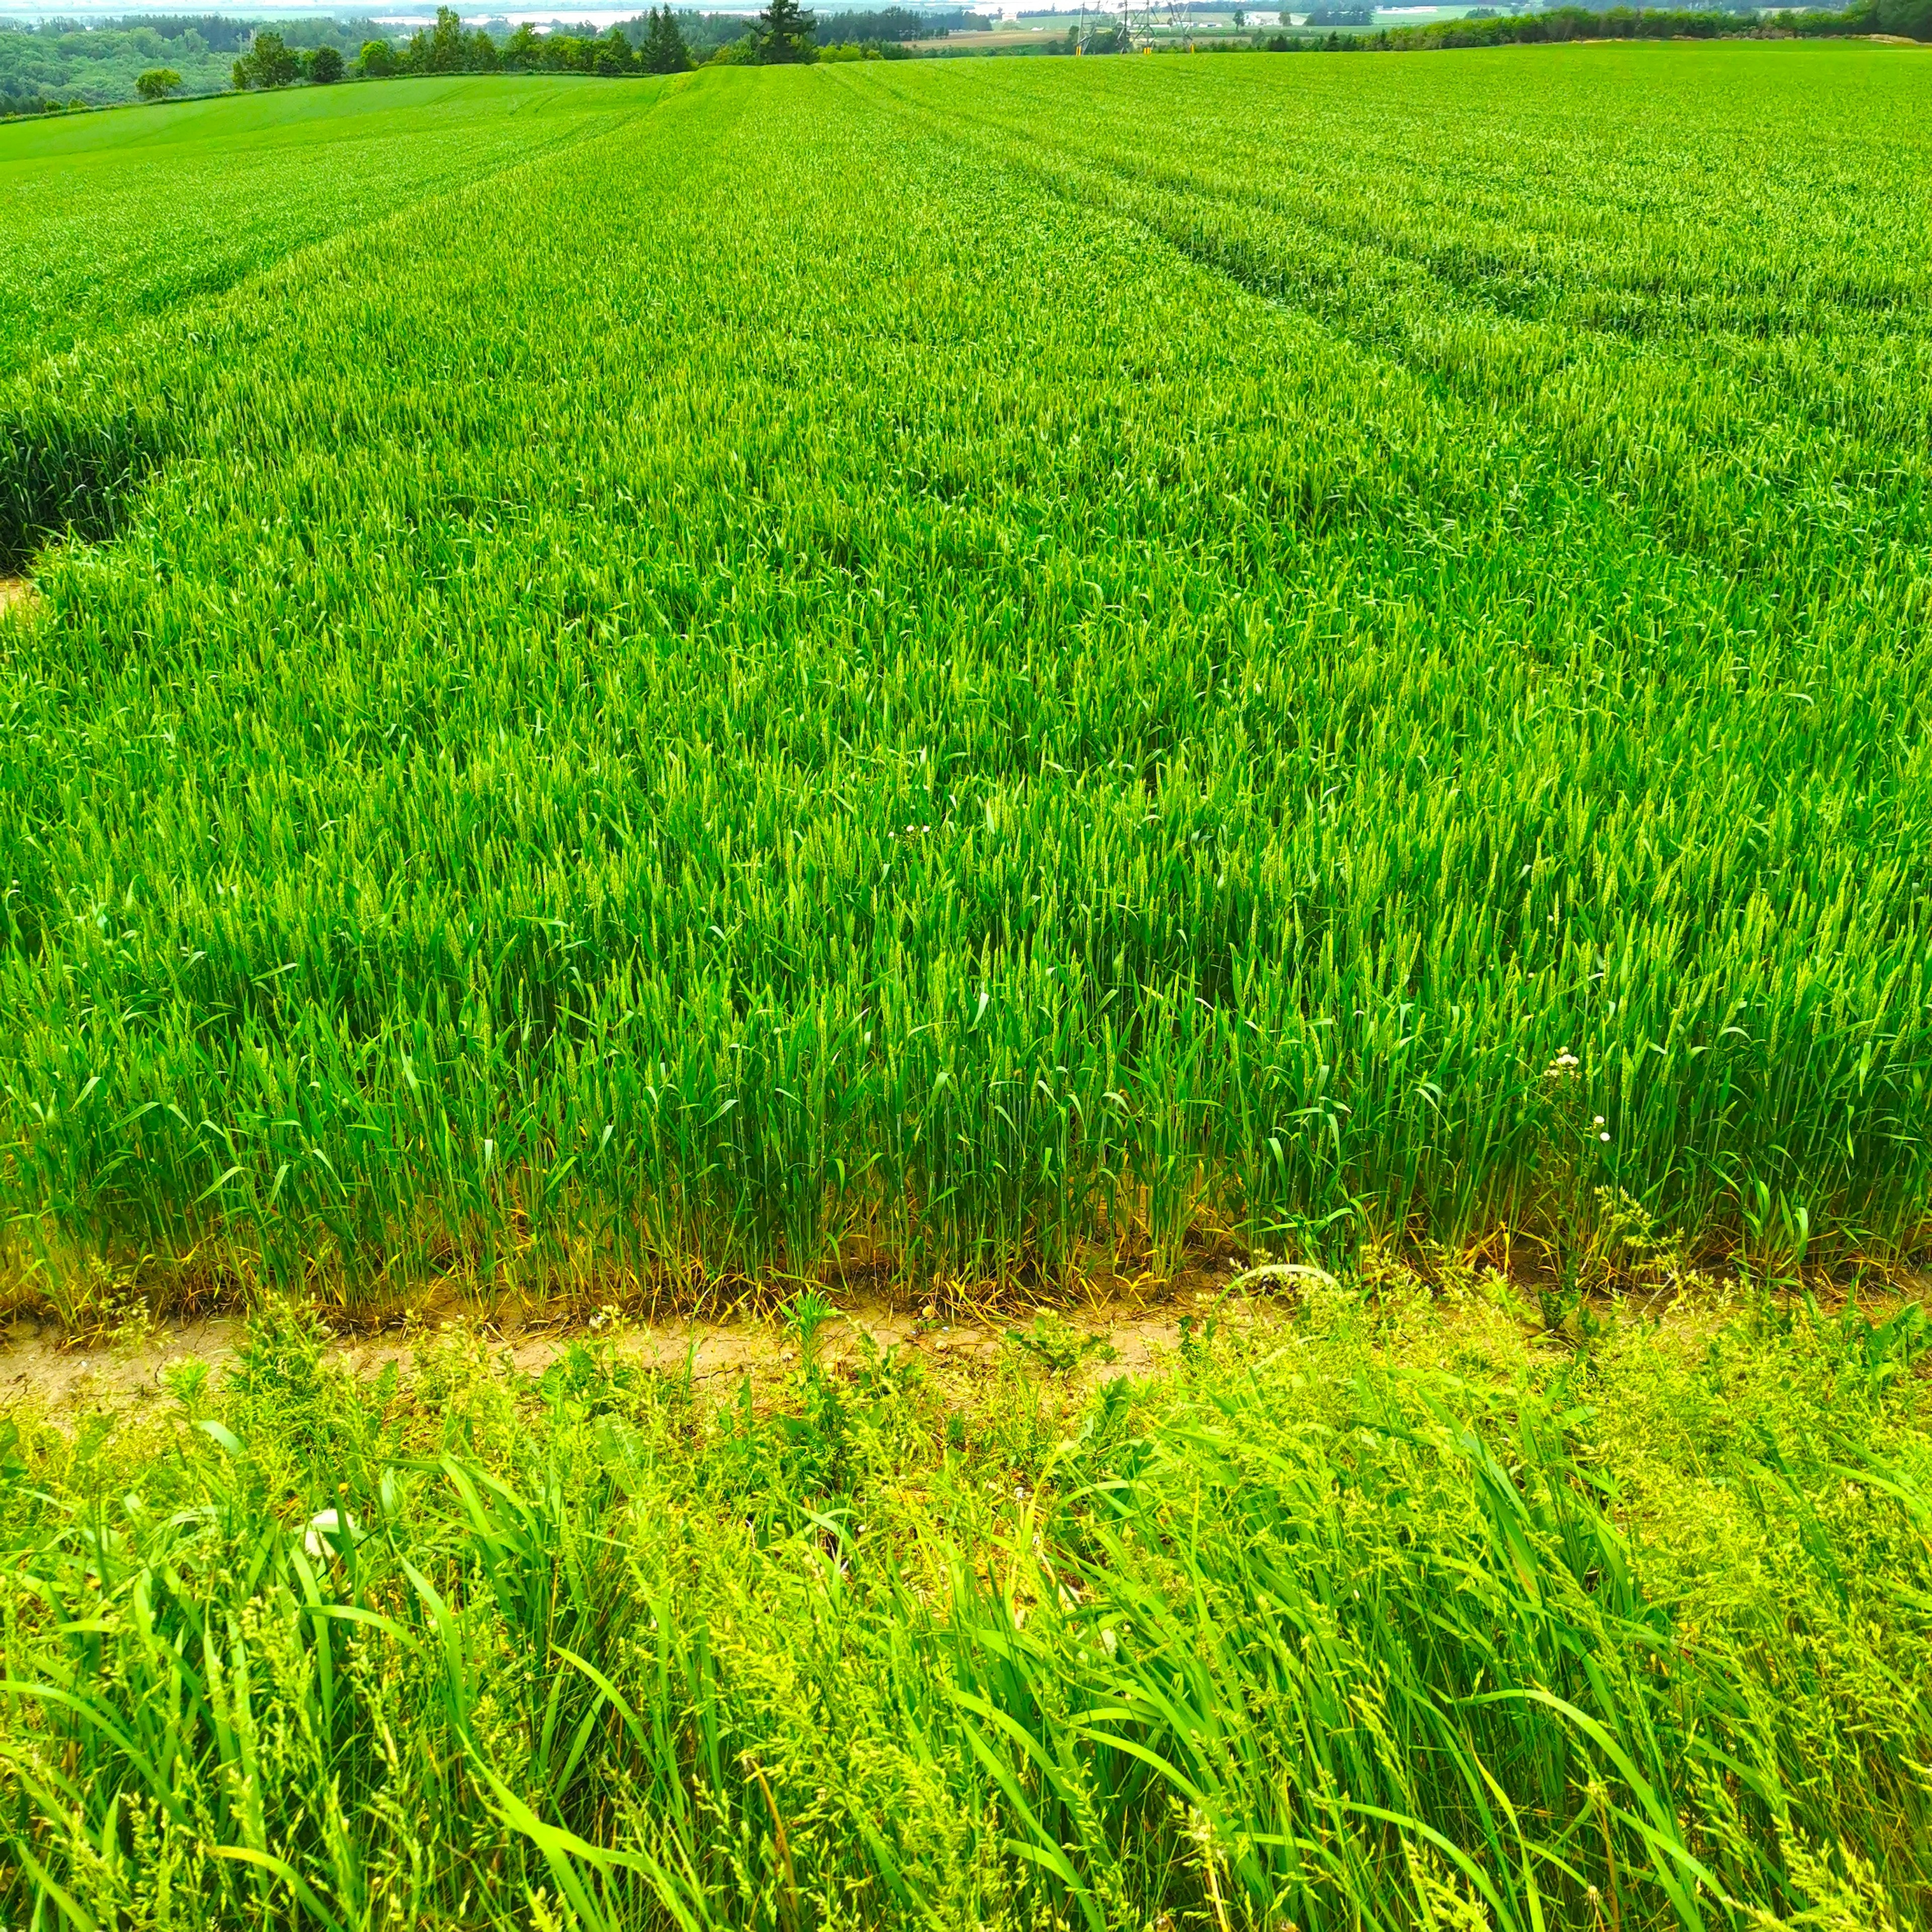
column 157, row 83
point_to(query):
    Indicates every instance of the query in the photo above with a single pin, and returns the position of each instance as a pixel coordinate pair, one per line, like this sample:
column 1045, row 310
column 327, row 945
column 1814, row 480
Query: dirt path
column 17, row 594
column 44, row 1370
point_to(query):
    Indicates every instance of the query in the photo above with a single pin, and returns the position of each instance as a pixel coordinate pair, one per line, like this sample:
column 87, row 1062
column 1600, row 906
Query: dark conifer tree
column 785, row 31
column 665, row 51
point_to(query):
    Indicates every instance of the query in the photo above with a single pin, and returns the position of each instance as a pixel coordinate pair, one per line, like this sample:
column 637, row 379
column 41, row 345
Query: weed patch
column 1320, row 1623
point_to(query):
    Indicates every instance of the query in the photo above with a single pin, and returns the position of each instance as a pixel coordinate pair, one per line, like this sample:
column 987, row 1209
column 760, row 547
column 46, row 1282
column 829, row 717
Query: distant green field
column 111, row 217
column 971, row 670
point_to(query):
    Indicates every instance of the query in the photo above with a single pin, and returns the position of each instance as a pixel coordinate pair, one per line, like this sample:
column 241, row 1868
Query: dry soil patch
column 43, row 1370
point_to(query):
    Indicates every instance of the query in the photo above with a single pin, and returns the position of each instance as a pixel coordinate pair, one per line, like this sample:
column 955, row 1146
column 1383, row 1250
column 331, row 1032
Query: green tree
column 157, row 83
column 612, row 54
column 444, row 49
column 784, row 33
column 377, row 60
column 270, row 61
column 665, row 51
column 323, row 67
column 1912, row 18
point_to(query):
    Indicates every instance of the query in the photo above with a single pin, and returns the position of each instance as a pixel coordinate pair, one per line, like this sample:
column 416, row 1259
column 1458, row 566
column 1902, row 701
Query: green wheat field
column 978, row 682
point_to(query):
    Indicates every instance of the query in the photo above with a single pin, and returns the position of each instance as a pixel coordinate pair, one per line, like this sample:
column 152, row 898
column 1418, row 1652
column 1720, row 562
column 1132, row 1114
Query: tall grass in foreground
column 1373, row 1618
column 1122, row 656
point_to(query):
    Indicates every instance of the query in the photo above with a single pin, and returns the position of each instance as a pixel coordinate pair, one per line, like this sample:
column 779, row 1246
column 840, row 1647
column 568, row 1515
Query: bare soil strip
column 17, row 594
column 43, row 1371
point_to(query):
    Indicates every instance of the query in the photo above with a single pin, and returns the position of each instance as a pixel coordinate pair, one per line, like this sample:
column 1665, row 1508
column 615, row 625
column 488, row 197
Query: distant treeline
column 896, row 23
column 64, row 64
column 661, row 41
column 1911, row 19
column 61, row 63
column 705, row 33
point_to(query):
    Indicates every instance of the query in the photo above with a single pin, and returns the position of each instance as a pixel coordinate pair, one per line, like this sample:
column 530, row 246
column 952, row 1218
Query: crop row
column 1281, row 646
